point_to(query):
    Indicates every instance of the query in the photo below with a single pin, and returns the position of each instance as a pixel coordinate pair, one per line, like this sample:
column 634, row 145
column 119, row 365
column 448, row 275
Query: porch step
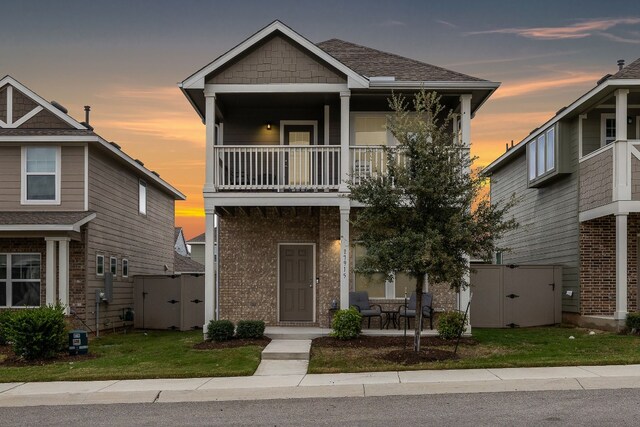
column 287, row 350
column 295, row 332
column 282, row 367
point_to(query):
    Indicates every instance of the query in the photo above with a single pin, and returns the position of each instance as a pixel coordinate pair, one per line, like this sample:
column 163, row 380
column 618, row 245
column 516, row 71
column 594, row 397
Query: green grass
column 498, row 348
column 158, row 354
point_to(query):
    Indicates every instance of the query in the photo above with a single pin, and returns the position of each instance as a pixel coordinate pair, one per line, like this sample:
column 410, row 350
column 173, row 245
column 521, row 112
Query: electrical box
column 108, row 287
column 78, row 342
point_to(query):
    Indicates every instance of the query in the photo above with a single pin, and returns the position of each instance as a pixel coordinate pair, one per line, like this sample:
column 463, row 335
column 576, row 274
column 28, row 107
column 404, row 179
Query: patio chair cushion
column 410, row 310
column 370, row 312
column 360, row 300
column 407, row 312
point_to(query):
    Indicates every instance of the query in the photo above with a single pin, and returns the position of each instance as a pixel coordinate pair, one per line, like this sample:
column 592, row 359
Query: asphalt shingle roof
column 46, row 132
column 39, row 218
column 372, row 62
column 631, row 71
column 198, row 239
column 183, row 264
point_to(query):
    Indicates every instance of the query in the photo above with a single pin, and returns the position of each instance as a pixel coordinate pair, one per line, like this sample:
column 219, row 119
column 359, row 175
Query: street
column 583, row 407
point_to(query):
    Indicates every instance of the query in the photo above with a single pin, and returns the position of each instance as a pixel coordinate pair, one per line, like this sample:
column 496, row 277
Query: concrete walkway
column 285, row 357
column 259, row 387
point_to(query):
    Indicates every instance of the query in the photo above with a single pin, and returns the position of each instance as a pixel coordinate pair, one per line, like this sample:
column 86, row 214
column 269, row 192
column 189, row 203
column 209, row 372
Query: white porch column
column 210, row 118
column 63, row 265
column 344, row 140
column 344, row 257
column 621, row 266
column 464, row 296
column 621, row 114
column 50, row 290
column 621, row 155
column 209, row 269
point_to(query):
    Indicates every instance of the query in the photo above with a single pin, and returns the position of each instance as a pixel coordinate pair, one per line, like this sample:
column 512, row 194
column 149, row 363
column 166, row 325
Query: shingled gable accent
column 25, row 100
column 276, row 59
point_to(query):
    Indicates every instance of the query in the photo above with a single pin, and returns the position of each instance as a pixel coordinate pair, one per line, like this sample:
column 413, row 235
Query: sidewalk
column 320, row 385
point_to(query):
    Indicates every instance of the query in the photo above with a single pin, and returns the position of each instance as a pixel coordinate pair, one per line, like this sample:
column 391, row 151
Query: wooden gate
column 506, row 296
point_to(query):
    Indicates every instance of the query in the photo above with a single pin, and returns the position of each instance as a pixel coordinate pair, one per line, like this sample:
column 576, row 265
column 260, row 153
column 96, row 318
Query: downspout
column 217, row 273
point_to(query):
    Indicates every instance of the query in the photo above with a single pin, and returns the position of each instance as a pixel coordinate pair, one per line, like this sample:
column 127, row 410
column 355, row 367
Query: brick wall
column 276, row 61
column 598, row 265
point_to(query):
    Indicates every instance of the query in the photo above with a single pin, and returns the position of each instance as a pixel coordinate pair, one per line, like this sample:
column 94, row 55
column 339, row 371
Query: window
column 370, row 130
column 541, row 154
column 113, row 265
column 19, row 280
column 41, row 175
column 607, row 129
column 142, row 197
column 99, row 265
column 125, row 267
column 376, row 285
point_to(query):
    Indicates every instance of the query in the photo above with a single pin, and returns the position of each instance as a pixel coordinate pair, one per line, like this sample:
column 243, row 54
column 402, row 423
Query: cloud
column 578, row 30
column 620, row 39
column 446, row 23
column 392, row 23
column 536, row 85
column 513, row 59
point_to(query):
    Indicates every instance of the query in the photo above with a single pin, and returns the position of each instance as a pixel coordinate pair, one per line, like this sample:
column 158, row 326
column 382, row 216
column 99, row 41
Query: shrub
column 37, row 333
column 346, row 324
column 250, row 329
column 633, row 322
column 5, row 317
column 220, row 330
column 450, row 324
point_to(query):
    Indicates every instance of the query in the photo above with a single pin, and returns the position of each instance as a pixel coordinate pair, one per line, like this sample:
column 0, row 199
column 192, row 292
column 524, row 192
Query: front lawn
column 155, row 354
column 494, row 348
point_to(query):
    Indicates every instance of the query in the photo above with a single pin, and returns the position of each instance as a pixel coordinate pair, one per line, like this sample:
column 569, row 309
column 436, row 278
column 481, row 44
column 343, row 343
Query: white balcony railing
column 277, row 167
column 371, row 160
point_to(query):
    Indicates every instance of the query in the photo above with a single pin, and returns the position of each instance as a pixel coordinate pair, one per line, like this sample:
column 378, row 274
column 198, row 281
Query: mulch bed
column 409, row 357
column 11, row 360
column 364, row 341
column 235, row 342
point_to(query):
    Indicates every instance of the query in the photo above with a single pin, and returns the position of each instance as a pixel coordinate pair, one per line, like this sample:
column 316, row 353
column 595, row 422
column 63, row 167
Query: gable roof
column 371, row 62
column 628, row 76
column 183, row 264
column 79, row 133
column 198, row 240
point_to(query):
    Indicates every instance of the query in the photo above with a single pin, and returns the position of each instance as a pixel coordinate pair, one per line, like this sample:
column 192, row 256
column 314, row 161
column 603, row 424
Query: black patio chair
column 409, row 311
column 360, row 300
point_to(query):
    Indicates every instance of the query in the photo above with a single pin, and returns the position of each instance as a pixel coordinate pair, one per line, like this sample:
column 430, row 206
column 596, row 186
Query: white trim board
column 315, row 276
column 313, row 123
column 212, row 89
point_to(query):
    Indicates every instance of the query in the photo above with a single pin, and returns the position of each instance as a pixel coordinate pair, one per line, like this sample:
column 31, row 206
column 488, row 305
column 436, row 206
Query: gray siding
column 596, row 180
column 120, row 231
column 71, row 180
column 548, row 216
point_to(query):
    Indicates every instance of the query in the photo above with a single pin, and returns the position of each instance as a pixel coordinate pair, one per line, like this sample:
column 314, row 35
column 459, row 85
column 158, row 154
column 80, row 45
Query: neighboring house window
column 608, row 129
column 376, row 285
column 142, row 197
column 113, row 264
column 20, row 280
column 541, row 154
column 125, row 267
column 99, row 265
column 41, row 175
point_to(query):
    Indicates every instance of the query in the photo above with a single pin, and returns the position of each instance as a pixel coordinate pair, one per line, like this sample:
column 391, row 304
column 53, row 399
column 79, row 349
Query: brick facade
column 598, row 265
column 248, row 259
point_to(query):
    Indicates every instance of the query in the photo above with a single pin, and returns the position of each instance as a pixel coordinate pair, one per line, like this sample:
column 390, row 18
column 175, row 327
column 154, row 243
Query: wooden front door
column 296, row 283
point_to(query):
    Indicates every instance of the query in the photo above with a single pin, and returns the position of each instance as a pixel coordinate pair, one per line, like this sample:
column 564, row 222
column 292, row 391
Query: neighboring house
column 197, row 248
column 74, row 210
column 578, row 180
column 180, row 242
column 288, row 121
column 186, row 265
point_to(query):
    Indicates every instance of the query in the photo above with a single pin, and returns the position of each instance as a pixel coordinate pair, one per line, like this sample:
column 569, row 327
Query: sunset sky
column 124, row 59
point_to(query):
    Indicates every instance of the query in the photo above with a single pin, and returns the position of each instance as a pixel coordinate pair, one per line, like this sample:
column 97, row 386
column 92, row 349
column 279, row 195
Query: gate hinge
column 196, row 300
column 173, row 301
column 512, row 296
column 553, row 286
column 512, row 325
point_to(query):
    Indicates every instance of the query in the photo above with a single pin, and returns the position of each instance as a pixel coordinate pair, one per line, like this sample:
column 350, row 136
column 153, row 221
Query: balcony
column 291, row 168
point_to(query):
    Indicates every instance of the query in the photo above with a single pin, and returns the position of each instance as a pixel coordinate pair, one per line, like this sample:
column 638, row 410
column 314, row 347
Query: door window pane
column 41, row 187
column 610, row 130
column 370, row 130
column 25, row 294
column 25, row 267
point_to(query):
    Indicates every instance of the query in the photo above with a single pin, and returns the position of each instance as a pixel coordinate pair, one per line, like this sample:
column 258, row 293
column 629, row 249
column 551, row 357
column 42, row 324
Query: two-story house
column 288, row 122
column 578, row 180
column 75, row 210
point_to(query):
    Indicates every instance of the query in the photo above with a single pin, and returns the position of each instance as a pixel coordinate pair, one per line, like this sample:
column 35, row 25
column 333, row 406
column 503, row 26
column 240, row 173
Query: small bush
column 450, row 324
column 37, row 333
column 250, row 329
column 633, row 322
column 346, row 324
column 5, row 317
column 220, row 330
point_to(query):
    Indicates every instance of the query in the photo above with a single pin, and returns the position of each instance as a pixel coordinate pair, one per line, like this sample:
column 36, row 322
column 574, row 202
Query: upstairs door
column 298, row 161
column 296, row 283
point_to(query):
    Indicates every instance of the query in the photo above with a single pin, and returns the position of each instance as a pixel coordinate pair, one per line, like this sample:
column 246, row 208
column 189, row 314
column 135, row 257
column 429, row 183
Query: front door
column 296, row 283
column 298, row 161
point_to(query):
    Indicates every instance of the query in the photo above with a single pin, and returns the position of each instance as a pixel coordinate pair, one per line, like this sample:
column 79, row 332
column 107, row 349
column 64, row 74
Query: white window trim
column 23, row 175
column 603, row 129
column 111, row 270
column 98, row 256
column 143, row 183
column 125, row 261
column 8, row 281
column 542, row 137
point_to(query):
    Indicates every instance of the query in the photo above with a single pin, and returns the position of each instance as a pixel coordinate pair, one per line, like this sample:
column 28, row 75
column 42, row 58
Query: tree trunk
column 418, row 321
